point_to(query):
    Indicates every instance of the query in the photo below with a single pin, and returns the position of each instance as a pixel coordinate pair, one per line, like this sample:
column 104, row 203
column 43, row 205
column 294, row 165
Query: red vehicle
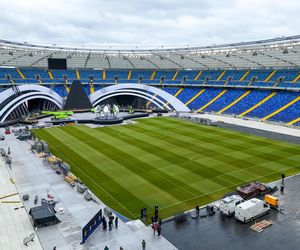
column 7, row 131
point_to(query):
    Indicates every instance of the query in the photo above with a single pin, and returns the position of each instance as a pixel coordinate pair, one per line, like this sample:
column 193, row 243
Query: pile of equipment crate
column 252, row 189
column 63, row 168
column 40, row 146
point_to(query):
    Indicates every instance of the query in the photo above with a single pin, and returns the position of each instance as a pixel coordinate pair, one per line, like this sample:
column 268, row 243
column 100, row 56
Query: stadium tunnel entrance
column 23, row 101
column 156, row 96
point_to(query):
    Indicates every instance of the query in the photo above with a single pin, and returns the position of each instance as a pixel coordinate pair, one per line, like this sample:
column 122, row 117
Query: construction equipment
column 72, row 176
column 64, row 168
column 24, row 135
column 81, row 188
column 2, row 152
column 59, row 114
column 25, row 197
column 68, row 179
column 88, row 195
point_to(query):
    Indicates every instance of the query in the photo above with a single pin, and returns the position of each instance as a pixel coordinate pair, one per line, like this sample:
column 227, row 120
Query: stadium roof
column 283, row 52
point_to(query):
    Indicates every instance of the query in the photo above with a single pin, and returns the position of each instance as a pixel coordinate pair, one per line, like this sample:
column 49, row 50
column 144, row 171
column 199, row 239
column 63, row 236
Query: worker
column 282, row 186
column 156, row 210
column 158, row 230
column 116, row 222
column 144, row 245
column 197, row 210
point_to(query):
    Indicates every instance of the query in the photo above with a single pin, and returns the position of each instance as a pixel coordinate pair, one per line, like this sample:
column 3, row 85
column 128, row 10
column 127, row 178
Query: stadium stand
column 247, row 84
column 266, row 104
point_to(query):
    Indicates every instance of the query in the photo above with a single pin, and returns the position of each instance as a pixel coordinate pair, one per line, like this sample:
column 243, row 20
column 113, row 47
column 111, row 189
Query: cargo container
column 271, row 200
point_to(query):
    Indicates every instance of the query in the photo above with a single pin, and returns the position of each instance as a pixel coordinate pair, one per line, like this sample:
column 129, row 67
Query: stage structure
column 158, row 97
column 77, row 98
column 14, row 101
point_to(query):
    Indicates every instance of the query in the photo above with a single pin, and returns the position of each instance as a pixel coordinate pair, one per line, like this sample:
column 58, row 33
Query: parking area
column 214, row 233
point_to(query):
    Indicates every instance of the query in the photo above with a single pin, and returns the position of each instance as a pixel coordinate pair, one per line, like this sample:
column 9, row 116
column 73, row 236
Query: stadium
column 151, row 136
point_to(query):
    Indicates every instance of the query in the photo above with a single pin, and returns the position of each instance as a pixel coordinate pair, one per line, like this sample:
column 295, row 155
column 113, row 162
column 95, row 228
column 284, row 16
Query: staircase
column 245, row 75
column 270, row 76
column 221, row 75
column 175, row 75
column 77, row 74
column 153, row 75
column 198, row 75
column 21, row 74
column 129, row 75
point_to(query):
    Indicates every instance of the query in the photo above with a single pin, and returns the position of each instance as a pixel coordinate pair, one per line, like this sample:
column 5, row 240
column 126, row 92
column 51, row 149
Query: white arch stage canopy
column 157, row 96
column 11, row 98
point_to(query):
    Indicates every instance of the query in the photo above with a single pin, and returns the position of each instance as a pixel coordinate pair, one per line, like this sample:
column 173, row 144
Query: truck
column 228, row 204
column 250, row 210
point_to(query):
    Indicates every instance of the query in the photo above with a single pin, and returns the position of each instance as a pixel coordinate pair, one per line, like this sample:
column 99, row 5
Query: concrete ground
column 14, row 221
column 251, row 123
column 214, row 233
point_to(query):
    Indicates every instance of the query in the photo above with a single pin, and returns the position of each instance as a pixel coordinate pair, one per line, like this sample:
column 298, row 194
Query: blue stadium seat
column 187, row 94
column 204, row 98
column 277, row 101
column 225, row 100
column 250, row 100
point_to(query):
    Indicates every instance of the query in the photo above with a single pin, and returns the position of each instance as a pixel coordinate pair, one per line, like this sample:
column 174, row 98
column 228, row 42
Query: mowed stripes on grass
column 173, row 163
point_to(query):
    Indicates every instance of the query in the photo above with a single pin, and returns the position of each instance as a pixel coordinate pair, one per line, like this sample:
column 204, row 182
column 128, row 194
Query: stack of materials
column 251, row 190
column 260, row 226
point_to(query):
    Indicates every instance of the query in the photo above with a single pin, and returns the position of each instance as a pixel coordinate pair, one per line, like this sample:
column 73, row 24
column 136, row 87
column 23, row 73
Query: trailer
column 271, row 200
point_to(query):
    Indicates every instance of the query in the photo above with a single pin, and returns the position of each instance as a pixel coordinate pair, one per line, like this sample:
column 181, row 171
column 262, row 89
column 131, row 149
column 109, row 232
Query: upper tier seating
column 290, row 78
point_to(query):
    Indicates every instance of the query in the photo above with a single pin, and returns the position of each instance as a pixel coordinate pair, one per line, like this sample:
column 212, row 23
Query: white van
column 251, row 209
column 228, row 204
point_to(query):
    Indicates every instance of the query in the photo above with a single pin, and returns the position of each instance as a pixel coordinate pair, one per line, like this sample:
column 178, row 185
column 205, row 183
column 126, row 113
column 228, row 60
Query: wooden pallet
column 260, row 226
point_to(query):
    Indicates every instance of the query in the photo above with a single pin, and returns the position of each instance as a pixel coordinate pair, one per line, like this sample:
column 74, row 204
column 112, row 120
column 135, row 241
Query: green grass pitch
column 174, row 163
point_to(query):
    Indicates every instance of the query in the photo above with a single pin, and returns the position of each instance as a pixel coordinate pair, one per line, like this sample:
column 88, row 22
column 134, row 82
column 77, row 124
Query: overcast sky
column 147, row 22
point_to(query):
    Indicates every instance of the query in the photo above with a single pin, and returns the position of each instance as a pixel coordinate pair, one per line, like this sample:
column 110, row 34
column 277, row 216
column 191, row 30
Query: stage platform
column 90, row 118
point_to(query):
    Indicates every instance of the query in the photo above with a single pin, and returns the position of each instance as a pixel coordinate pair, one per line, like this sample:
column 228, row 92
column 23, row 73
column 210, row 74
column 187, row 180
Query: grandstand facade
column 259, row 79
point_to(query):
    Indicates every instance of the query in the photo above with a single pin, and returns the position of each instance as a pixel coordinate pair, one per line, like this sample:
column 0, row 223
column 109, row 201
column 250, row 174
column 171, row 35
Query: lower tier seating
column 282, row 106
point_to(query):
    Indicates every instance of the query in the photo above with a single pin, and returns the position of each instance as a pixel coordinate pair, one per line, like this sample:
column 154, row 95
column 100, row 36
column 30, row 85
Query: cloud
column 144, row 22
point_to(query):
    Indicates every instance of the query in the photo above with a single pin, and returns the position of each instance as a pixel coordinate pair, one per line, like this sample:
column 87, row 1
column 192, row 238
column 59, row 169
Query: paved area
column 214, row 233
column 34, row 178
column 14, row 221
column 263, row 133
column 252, row 124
